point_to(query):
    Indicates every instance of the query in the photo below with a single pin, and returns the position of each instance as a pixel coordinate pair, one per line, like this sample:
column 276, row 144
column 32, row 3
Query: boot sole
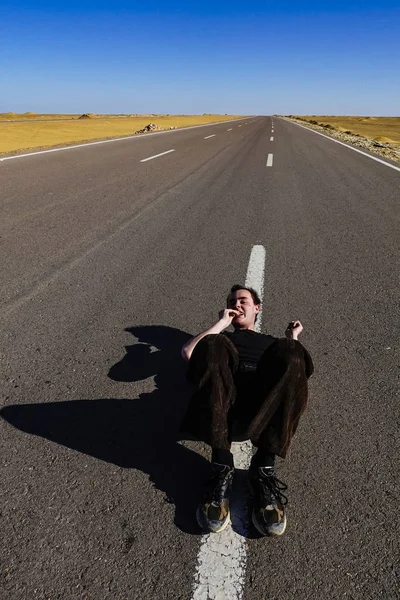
column 270, row 533
column 224, row 526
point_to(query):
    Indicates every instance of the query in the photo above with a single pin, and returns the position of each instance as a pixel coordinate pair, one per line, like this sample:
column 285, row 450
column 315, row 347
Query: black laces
column 218, row 485
column 271, row 487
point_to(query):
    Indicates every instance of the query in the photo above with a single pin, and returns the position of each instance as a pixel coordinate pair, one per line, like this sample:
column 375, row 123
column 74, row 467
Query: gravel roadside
column 385, row 149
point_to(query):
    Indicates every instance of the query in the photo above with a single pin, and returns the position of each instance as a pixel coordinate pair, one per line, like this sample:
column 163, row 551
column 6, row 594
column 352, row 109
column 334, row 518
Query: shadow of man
column 137, row 433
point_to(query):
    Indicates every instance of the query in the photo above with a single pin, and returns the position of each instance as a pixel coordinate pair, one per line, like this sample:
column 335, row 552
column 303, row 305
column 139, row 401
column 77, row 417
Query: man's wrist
column 219, row 326
column 291, row 335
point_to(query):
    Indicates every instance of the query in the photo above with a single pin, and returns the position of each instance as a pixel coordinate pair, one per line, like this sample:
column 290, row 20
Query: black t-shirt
column 250, row 344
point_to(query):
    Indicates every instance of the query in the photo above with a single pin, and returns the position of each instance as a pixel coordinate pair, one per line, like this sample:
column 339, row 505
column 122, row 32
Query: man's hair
column 254, row 294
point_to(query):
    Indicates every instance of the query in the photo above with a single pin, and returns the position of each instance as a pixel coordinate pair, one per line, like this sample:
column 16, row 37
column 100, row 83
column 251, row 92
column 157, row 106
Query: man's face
column 242, row 301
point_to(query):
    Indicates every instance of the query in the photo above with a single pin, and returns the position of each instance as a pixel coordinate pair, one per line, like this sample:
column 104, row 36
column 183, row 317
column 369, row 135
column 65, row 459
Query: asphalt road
column 107, row 265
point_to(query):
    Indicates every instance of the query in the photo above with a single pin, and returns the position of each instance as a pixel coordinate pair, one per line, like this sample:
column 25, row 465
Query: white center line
column 229, row 129
column 239, row 125
column 123, row 139
column 270, row 160
column 157, row 155
column 210, row 136
column 255, row 276
column 221, row 566
column 271, row 139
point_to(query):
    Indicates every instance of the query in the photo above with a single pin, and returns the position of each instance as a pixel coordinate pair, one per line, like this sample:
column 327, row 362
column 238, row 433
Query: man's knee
column 215, row 344
column 282, row 354
column 288, row 350
column 212, row 351
column 298, row 357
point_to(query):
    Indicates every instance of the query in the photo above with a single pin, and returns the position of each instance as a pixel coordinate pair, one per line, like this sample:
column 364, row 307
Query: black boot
column 213, row 512
column 268, row 515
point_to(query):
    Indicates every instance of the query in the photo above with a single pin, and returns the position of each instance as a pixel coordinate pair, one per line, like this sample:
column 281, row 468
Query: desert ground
column 381, row 129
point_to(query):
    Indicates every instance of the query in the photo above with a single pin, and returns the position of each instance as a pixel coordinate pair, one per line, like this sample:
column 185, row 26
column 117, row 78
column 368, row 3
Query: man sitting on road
column 252, row 384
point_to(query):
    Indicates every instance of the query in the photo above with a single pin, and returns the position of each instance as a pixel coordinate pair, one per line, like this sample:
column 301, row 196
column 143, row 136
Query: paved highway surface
column 107, row 265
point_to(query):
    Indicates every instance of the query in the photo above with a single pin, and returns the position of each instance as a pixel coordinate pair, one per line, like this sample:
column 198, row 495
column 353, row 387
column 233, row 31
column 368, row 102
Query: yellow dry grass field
column 34, row 134
column 381, row 129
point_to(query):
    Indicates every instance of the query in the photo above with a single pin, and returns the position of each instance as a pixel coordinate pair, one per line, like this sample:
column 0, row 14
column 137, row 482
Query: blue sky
column 195, row 57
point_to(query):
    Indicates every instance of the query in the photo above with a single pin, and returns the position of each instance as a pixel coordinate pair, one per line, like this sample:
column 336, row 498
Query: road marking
column 229, row 129
column 221, row 563
column 121, row 139
column 209, row 136
column 156, row 155
column 239, row 125
column 383, row 162
column 271, row 139
column 255, row 276
column 270, row 160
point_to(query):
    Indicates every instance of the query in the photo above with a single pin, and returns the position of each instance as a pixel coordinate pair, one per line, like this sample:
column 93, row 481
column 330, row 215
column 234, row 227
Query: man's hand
column 226, row 316
column 293, row 330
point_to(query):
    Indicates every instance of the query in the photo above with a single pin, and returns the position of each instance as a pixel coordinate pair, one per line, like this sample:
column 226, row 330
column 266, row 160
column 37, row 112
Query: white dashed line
column 229, row 129
column 270, row 160
column 271, row 139
column 255, row 276
column 122, row 139
column 221, row 564
column 239, row 125
column 156, row 155
column 209, row 136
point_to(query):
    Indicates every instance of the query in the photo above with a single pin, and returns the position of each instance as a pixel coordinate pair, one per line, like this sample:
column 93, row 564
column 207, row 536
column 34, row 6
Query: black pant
column 265, row 403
